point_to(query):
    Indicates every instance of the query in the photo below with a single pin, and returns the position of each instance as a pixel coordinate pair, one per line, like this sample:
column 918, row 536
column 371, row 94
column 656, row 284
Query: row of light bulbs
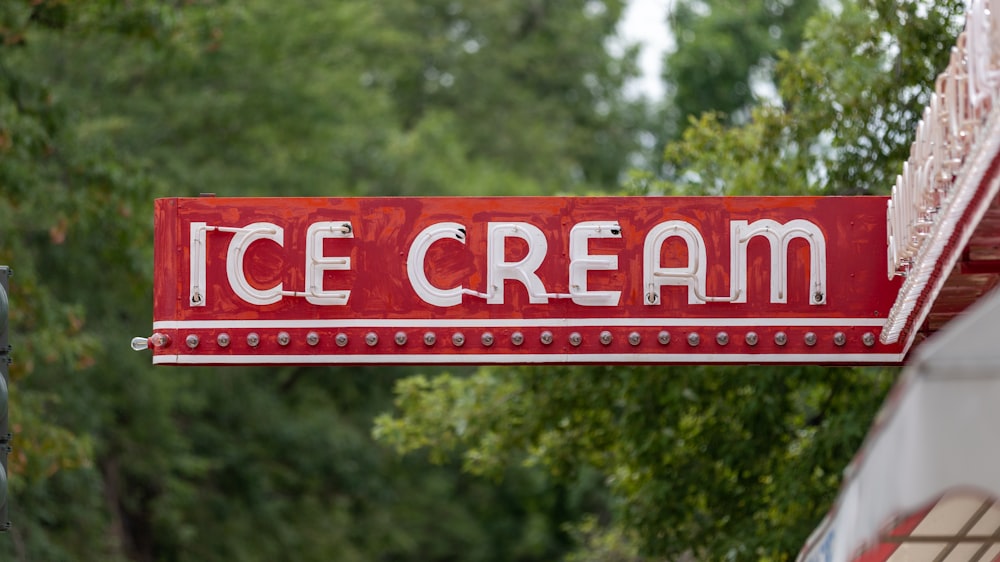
column 487, row 339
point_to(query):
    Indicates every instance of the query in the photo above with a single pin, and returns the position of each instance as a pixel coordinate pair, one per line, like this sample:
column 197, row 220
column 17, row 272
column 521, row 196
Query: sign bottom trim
column 531, row 358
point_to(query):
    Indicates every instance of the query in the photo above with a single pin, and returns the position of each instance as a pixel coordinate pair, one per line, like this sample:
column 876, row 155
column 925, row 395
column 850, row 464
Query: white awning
column 925, row 483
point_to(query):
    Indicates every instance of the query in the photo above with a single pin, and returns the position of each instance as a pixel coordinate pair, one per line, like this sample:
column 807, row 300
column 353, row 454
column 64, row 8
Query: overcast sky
column 645, row 22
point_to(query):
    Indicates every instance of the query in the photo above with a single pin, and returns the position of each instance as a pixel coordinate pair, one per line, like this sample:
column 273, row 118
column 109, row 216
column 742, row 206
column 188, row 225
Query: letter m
column 780, row 236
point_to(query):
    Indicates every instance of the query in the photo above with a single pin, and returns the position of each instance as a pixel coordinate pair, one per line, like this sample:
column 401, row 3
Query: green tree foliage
column 737, row 462
column 59, row 198
column 517, row 77
column 105, row 105
column 715, row 461
column 849, row 102
column 70, row 225
column 723, row 47
column 376, row 98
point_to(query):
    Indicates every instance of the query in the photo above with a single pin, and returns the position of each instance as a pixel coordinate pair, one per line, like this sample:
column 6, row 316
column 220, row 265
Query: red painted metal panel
column 836, row 280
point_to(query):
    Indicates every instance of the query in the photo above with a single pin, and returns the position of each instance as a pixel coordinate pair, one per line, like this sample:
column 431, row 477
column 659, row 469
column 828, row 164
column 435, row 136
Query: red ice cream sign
column 488, row 280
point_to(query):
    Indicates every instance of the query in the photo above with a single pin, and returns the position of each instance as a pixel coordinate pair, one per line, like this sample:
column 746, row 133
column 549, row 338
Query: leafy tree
column 60, row 199
column 375, row 98
column 723, row 63
column 723, row 47
column 734, row 462
column 528, row 82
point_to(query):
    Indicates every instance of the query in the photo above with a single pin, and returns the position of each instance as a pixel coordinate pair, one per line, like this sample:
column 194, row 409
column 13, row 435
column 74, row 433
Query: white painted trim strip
column 511, row 323
column 525, row 358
